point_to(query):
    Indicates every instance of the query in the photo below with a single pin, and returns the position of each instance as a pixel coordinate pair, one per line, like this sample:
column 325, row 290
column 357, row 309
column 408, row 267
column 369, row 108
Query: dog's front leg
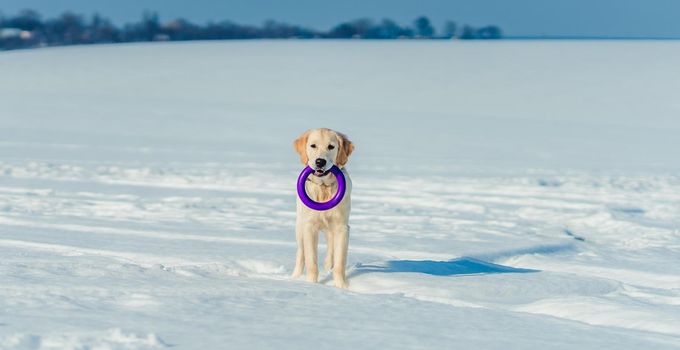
column 299, row 255
column 328, row 260
column 340, row 243
column 310, row 240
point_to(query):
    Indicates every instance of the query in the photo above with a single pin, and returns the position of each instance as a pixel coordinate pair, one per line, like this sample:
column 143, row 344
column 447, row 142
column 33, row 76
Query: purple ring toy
column 337, row 198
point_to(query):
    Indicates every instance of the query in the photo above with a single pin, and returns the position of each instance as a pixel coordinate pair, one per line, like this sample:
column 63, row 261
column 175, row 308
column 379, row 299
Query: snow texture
column 520, row 195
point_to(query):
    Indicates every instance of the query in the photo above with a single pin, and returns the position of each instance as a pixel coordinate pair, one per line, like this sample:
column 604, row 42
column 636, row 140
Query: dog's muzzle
column 320, row 170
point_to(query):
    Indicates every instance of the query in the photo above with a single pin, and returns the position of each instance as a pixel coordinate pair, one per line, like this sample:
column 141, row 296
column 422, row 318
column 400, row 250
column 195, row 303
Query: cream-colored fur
column 312, row 145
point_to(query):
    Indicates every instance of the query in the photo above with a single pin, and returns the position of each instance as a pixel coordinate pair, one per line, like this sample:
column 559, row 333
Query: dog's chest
column 321, row 189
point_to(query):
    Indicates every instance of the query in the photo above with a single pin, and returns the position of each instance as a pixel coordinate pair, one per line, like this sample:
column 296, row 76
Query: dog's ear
column 344, row 151
column 300, row 145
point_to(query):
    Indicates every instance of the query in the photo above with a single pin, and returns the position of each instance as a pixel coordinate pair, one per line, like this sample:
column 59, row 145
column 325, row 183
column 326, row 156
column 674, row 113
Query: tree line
column 27, row 29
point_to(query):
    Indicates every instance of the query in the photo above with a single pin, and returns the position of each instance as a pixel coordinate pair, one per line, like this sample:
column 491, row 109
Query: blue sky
column 611, row 18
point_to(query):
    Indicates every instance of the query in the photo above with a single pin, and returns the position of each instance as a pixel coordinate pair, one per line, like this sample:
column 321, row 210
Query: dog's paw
column 313, row 278
column 312, row 275
column 341, row 283
column 297, row 271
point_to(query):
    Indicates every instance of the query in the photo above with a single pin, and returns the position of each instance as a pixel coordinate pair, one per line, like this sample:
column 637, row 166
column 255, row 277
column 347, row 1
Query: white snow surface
column 507, row 195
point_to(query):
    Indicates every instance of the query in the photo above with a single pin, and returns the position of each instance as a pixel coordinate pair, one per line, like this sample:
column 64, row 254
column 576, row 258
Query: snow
column 506, row 194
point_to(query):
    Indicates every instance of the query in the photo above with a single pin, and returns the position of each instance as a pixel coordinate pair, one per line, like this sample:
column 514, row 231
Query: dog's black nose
column 320, row 163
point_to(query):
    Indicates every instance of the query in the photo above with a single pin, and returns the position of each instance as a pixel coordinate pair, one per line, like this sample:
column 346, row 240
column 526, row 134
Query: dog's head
column 323, row 148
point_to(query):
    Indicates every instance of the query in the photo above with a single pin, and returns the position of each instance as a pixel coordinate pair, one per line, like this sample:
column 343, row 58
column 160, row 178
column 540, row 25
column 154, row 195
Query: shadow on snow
column 455, row 267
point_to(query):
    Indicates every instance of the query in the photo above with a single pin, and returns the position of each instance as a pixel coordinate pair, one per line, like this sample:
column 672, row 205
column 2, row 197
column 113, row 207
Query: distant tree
column 213, row 31
column 235, row 31
column 27, row 29
column 273, row 29
column 356, row 29
column 423, row 27
column 145, row 30
column 343, row 31
column 26, row 20
column 450, row 29
column 388, row 29
column 101, row 30
column 68, row 29
column 489, row 32
column 150, row 25
column 468, row 32
column 181, row 29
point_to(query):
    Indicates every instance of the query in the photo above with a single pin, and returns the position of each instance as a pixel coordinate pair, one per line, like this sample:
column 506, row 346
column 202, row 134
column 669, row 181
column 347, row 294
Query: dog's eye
column 312, row 146
column 330, row 147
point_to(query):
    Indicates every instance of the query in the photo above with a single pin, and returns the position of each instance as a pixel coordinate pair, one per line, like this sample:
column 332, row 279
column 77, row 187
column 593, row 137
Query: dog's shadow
column 455, row 267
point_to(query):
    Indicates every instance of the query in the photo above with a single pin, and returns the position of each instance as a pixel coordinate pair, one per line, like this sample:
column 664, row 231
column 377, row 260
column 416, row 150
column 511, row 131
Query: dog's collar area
column 319, row 183
column 321, row 178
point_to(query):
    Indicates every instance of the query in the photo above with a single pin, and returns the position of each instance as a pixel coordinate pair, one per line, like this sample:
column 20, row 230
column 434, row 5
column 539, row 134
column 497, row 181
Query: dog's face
column 323, row 148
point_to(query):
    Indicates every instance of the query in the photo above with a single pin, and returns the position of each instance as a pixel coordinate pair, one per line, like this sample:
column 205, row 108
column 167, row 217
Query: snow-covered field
column 517, row 195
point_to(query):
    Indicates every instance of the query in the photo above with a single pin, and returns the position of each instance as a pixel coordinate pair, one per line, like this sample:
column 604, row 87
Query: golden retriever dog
column 321, row 149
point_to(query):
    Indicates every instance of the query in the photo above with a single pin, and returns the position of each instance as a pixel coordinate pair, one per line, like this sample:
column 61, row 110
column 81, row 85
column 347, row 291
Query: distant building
column 8, row 33
column 13, row 33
